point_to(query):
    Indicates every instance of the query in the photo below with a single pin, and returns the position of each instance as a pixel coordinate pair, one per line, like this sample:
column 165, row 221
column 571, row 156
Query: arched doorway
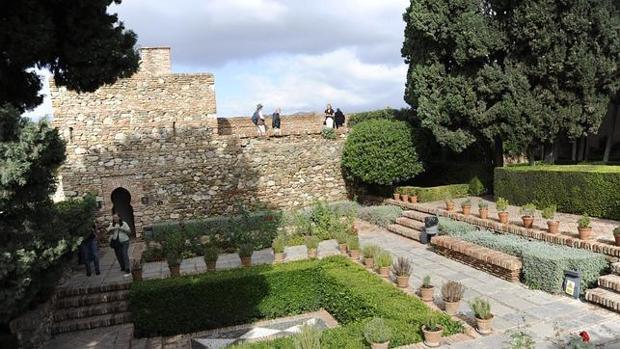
column 121, row 204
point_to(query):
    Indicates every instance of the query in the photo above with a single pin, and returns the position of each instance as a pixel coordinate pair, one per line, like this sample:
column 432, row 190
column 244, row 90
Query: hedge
column 579, row 189
column 382, row 215
column 543, row 263
column 346, row 290
column 426, row 194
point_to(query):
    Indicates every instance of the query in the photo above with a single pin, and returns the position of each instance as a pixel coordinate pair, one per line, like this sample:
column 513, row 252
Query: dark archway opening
column 121, row 204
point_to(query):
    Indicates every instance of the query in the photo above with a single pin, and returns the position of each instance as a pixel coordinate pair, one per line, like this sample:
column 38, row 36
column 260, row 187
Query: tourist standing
column 119, row 241
column 329, row 116
column 259, row 120
column 89, row 251
column 339, row 116
column 275, row 122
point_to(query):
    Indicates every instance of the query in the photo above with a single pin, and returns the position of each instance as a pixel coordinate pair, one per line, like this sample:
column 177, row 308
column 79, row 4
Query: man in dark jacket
column 339, row 116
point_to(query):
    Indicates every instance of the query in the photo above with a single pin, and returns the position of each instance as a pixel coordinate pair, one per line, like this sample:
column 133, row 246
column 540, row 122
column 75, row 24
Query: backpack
column 255, row 118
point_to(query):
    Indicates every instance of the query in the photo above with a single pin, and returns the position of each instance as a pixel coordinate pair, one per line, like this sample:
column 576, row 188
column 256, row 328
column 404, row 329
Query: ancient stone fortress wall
column 155, row 136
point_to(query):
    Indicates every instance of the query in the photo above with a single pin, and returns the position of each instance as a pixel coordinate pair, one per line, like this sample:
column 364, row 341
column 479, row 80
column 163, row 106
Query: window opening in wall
column 174, row 128
column 70, row 134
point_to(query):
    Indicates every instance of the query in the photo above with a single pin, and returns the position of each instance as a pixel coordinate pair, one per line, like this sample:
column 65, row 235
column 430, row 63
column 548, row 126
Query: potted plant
column 369, row 252
column 402, row 270
column 377, row 334
column 312, row 243
column 432, row 332
column 449, row 203
column 173, row 246
column 342, row 237
column 617, row 236
column 211, row 254
column 502, row 206
column 397, row 194
column 527, row 215
column 427, row 290
column 413, row 196
column 354, row 247
column 466, row 206
column 245, row 253
column 482, row 312
column 483, row 209
column 452, row 293
column 548, row 213
column 278, row 246
column 383, row 261
column 584, row 227
column 136, row 269
column 404, row 194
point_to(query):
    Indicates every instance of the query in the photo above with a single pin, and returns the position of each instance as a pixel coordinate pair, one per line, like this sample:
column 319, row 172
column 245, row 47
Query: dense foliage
column 382, row 215
column 517, row 72
column 543, row 263
column 580, row 189
column 427, row 194
column 388, row 113
column 351, row 294
column 381, row 151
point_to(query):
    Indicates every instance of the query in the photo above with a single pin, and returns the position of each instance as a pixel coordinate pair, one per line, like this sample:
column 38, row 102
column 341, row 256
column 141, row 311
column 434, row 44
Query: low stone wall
column 34, row 328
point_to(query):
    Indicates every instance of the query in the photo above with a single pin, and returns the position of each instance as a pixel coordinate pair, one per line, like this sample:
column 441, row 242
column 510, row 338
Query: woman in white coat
column 119, row 241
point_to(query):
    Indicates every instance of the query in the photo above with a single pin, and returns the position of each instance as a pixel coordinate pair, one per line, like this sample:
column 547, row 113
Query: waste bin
column 431, row 225
column 572, row 283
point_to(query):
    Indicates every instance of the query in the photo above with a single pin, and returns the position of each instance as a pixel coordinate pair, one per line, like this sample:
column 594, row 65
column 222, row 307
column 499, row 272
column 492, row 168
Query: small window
column 70, row 134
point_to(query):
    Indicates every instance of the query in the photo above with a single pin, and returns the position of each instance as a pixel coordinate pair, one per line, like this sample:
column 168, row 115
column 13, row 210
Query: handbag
column 115, row 243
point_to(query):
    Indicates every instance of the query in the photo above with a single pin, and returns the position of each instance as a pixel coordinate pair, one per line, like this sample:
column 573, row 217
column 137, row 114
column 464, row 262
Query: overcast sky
column 295, row 54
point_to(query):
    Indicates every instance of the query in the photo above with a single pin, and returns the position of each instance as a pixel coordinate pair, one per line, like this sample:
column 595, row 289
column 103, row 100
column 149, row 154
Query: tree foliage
column 511, row 71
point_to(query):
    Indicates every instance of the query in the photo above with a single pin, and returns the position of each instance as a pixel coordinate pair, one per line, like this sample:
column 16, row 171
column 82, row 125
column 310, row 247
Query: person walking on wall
column 259, row 120
column 339, row 118
column 275, row 121
column 329, row 116
column 119, row 241
column 89, row 252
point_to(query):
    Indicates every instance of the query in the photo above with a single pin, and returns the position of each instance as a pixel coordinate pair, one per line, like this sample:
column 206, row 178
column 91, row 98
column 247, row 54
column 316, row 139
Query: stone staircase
column 78, row 309
column 608, row 292
column 410, row 224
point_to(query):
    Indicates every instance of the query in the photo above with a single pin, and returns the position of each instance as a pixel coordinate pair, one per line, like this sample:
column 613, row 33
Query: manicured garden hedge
column 346, row 290
column 580, row 189
column 426, row 194
column 543, row 263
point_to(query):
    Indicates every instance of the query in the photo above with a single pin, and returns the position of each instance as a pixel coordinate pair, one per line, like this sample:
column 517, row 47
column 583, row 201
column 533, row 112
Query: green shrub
column 328, row 133
column 584, row 222
column 211, row 254
column 543, row 263
column 173, row 246
column 466, row 203
column 528, row 210
column 308, row 338
column 246, row 250
column 324, row 221
column 617, row 231
column 312, row 242
column 384, row 259
column 427, row 194
column 354, row 243
column 575, row 189
column 278, row 244
column 388, row 113
column 481, row 308
column 549, row 212
column 501, row 204
column 376, row 331
column 380, row 152
column 382, row 216
column 426, row 282
column 371, row 251
column 476, row 187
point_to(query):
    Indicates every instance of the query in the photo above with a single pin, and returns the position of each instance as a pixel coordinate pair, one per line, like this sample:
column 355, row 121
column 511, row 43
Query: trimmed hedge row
column 346, row 290
column 543, row 263
column 579, row 189
column 426, row 194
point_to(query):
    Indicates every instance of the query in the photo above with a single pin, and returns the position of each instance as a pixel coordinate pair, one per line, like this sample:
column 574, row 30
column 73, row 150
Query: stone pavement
column 514, row 305
column 115, row 337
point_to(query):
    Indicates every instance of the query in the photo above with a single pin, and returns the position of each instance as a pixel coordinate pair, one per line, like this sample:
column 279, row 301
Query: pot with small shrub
column 502, row 205
column 413, row 196
column 427, row 289
column 482, row 312
column 548, row 213
column 312, row 243
column 369, row 252
column 402, row 270
column 432, row 332
column 383, row 262
column 354, row 247
column 584, row 227
column 452, row 293
column 449, row 203
column 173, row 246
column 527, row 215
column 342, row 237
column 396, row 196
column 617, row 236
column 466, row 207
column 377, row 333
column 278, row 246
column 404, row 195
column 136, row 269
column 245, row 253
column 211, row 254
column 483, row 209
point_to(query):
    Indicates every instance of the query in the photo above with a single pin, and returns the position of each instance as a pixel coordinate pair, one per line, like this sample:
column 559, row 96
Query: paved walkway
column 514, row 305
column 602, row 229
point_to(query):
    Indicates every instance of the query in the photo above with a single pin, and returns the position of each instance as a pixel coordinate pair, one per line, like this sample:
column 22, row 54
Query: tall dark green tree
column 523, row 72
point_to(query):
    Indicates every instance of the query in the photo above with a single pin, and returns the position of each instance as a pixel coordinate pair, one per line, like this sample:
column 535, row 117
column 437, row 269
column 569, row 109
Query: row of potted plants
column 406, row 195
column 375, row 258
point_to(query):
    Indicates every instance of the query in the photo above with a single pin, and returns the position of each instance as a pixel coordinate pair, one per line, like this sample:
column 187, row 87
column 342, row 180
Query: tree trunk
column 610, row 137
column 499, row 152
column 551, row 153
column 582, row 143
column 574, row 152
column 531, row 155
column 586, row 148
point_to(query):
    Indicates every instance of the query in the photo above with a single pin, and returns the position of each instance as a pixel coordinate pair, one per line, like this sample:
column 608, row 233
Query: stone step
column 416, row 215
column 610, row 282
column 64, row 292
column 615, row 268
column 404, row 231
column 606, row 298
column 410, row 223
column 92, row 299
column 88, row 323
column 91, row 310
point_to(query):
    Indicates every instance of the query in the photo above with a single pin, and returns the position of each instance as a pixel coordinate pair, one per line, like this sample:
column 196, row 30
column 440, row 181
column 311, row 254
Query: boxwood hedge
column 580, row 189
column 426, row 194
column 224, row 298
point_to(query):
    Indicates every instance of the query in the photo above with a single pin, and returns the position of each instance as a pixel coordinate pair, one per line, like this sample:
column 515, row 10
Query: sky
column 295, row 54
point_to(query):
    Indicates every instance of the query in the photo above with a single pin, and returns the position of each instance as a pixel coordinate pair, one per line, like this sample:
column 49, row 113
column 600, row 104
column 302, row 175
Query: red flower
column 584, row 336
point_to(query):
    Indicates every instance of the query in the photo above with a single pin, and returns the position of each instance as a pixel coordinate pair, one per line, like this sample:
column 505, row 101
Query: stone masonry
column 156, row 135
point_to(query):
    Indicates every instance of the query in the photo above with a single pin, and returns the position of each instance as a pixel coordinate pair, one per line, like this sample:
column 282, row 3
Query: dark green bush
column 427, row 194
column 381, row 152
column 385, row 114
column 579, row 189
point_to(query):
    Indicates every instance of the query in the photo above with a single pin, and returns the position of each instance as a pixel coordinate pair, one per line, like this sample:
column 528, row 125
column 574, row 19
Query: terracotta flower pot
column 396, row 196
column 413, row 199
column 175, row 270
column 585, row 233
column 484, row 213
column 369, row 263
column 404, row 197
column 528, row 221
column 432, row 338
column 278, row 257
column 466, row 210
column 342, row 248
column 312, row 253
column 246, row 261
column 617, row 237
column 449, row 206
column 503, row 217
column 211, row 265
column 384, row 272
column 452, row 307
column 484, row 327
column 554, row 227
column 385, row 345
column 136, row 274
column 427, row 293
column 355, row 254
column 402, row 281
